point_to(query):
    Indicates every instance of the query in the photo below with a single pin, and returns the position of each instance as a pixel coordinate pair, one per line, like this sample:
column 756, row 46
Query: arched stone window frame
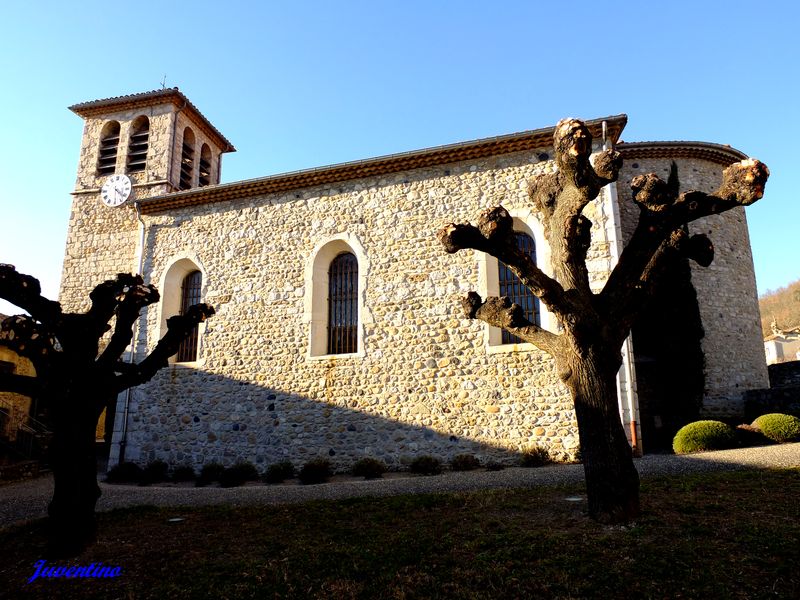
column 170, row 284
column 528, row 222
column 315, row 309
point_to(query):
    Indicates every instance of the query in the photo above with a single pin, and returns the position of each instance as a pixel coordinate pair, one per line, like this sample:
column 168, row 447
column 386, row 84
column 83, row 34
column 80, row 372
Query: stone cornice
column 382, row 165
column 96, row 108
column 717, row 153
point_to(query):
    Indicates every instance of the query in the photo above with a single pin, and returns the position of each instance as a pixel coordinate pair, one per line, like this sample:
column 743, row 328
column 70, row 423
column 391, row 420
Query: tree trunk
column 612, row 483
column 72, row 520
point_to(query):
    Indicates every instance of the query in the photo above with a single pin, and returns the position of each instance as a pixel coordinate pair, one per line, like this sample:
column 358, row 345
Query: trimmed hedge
column 701, row 436
column 779, row 427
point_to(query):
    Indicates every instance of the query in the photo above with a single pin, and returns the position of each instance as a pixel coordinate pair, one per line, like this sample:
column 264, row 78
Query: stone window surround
column 527, row 221
column 315, row 301
column 178, row 267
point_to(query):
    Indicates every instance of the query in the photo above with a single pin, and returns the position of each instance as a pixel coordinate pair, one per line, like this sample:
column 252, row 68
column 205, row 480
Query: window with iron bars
column 518, row 293
column 343, row 305
column 190, row 294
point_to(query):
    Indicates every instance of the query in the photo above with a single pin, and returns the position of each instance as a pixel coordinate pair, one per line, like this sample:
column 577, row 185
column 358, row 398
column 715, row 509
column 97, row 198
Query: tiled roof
column 382, row 165
column 718, row 153
column 133, row 101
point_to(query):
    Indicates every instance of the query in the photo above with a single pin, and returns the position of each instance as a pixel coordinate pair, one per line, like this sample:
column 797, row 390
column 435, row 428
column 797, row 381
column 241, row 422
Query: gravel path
column 28, row 499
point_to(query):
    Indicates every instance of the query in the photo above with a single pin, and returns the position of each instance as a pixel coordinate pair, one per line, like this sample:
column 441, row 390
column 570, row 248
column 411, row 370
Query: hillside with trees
column 783, row 305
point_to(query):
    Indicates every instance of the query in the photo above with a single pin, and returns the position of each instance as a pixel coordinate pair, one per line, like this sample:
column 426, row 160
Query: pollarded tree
column 587, row 352
column 78, row 375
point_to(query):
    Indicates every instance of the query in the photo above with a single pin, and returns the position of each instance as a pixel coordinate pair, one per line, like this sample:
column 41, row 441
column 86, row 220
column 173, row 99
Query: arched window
column 137, row 146
column 205, row 165
column 343, row 305
column 190, row 294
column 187, row 159
column 511, row 286
column 109, row 142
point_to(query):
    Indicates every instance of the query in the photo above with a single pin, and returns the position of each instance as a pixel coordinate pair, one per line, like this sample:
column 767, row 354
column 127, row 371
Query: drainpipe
column 131, row 357
column 628, row 398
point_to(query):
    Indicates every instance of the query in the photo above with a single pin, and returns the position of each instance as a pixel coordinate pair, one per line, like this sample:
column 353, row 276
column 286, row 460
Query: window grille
column 343, row 305
column 109, row 142
column 187, row 160
column 137, row 146
column 190, row 294
column 511, row 286
column 205, row 165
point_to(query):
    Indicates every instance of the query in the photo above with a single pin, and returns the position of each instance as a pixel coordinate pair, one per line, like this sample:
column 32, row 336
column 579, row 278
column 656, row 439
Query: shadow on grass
column 713, row 535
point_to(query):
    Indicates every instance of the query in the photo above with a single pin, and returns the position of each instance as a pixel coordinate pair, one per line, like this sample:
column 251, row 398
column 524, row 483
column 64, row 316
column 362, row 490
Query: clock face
column 116, row 190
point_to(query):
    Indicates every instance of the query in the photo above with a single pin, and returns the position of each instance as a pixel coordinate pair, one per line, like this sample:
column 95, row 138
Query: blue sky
column 303, row 84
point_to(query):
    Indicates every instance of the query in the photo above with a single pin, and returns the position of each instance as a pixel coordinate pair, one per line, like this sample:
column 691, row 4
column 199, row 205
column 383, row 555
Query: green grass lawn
column 721, row 535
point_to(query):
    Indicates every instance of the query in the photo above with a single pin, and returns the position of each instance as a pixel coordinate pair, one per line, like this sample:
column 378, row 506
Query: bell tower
column 134, row 148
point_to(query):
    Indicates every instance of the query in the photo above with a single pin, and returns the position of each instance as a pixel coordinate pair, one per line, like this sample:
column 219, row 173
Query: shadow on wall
column 188, row 416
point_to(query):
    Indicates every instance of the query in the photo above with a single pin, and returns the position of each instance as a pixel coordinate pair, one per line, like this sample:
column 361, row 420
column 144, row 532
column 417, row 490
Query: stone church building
column 338, row 330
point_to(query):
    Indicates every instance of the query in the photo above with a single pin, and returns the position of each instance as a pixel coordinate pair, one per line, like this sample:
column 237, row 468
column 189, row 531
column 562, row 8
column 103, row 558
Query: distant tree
column 782, row 306
column 77, row 376
column 587, row 353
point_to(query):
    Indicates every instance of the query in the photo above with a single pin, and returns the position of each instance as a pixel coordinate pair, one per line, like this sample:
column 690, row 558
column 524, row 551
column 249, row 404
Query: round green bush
column 703, row 435
column 779, row 427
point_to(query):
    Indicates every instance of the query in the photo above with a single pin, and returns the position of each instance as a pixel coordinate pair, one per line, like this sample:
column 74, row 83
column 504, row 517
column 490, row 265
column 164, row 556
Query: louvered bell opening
column 511, row 286
column 205, row 172
column 343, row 305
column 107, row 159
column 190, row 294
column 187, row 164
column 137, row 152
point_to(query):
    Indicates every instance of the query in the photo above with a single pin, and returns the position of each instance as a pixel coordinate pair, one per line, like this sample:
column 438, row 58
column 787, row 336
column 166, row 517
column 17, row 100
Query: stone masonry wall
column 425, row 384
column 726, row 290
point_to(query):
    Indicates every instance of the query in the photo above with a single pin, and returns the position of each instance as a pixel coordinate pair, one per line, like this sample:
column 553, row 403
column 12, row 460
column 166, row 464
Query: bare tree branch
column 662, row 214
column 25, row 292
column 134, row 298
column 500, row 312
column 561, row 197
column 178, row 327
column 494, row 237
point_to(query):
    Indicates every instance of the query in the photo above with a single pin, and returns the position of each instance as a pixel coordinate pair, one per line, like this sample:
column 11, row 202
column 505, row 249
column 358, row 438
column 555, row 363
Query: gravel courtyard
column 27, row 500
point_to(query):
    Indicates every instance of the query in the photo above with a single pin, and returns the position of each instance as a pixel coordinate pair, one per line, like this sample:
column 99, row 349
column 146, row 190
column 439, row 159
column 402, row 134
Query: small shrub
column 126, row 472
column 464, row 462
column 495, row 466
column 315, row 471
column 279, row 472
column 209, row 474
column 703, row 435
column 779, row 427
column 536, row 456
column 183, row 473
column 156, row 471
column 238, row 474
column 426, row 465
column 369, row 468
